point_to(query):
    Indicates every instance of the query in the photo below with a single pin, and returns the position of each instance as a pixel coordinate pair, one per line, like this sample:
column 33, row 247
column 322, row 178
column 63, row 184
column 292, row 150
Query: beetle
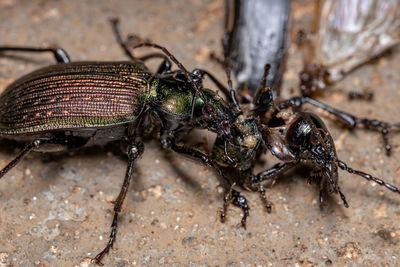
column 293, row 136
column 73, row 105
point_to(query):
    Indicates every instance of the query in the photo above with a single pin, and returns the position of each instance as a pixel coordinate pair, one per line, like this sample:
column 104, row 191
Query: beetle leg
column 269, row 175
column 227, row 201
column 263, row 195
column 59, row 54
column 342, row 196
column 168, row 143
column 61, row 141
column 21, row 154
column 315, row 176
column 117, row 32
column 241, row 202
column 234, row 197
column 134, row 151
column 263, row 100
column 252, row 182
column 188, row 151
column 164, row 66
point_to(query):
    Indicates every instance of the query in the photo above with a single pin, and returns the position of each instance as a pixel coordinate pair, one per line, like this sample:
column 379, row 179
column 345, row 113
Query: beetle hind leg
column 124, row 44
column 18, row 158
column 57, row 143
column 60, row 54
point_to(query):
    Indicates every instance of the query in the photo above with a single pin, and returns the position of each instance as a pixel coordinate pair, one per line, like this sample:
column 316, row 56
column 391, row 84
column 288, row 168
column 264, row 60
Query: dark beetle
column 78, row 104
column 291, row 135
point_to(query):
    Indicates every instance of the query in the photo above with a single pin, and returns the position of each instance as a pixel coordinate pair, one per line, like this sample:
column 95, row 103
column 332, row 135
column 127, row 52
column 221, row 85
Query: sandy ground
column 56, row 210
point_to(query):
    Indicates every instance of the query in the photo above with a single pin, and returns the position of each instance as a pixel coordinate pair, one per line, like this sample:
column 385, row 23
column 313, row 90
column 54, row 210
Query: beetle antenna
column 263, row 99
column 367, row 176
column 228, row 67
column 180, row 66
column 173, row 59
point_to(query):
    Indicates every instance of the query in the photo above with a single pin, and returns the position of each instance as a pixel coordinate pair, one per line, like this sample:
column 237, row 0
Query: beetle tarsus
column 263, row 195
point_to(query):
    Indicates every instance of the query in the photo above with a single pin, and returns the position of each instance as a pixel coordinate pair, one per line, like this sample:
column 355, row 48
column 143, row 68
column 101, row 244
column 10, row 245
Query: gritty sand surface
column 56, row 210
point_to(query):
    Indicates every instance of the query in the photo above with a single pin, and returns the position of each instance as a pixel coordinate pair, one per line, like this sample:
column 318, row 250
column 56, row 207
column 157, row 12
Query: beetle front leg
column 253, row 182
column 134, row 151
column 269, row 175
column 238, row 200
column 59, row 54
column 232, row 196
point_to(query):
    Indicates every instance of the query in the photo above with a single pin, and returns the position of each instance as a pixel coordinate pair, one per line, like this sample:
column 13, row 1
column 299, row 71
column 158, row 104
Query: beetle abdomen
column 73, row 95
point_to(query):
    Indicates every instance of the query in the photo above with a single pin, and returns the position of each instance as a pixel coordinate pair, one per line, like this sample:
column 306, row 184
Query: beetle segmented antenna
column 180, row 66
column 173, row 59
column 228, row 67
column 263, row 98
column 263, row 82
column 367, row 176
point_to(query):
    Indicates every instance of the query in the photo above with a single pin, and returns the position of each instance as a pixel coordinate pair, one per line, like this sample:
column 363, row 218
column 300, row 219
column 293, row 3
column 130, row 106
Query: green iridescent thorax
column 171, row 96
column 176, row 98
column 243, row 152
